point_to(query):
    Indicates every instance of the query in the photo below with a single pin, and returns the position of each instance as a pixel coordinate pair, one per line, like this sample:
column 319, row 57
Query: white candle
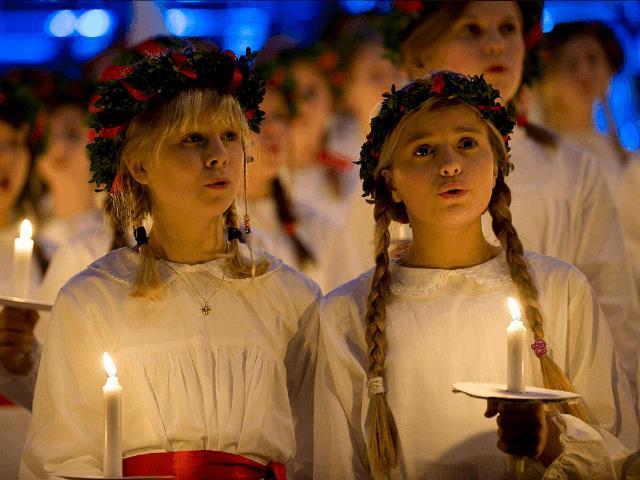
column 22, row 253
column 516, row 333
column 111, row 392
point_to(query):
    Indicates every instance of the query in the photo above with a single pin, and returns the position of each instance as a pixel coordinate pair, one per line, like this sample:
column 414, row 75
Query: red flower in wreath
column 278, row 78
column 137, row 94
column 328, row 61
column 437, row 86
column 409, row 6
column 106, row 132
column 181, row 62
column 236, row 79
column 116, row 72
column 250, row 114
column 230, row 54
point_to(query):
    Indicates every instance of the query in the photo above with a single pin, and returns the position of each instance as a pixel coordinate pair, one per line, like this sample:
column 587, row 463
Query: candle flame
column 109, row 366
column 26, row 230
column 514, row 308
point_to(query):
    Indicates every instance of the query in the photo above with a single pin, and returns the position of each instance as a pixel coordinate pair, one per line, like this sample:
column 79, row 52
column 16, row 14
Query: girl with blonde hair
column 394, row 340
column 205, row 332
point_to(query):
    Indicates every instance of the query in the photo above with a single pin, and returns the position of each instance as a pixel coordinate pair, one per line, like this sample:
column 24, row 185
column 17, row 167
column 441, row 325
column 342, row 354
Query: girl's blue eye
column 230, row 136
column 422, row 151
column 467, row 143
column 194, row 138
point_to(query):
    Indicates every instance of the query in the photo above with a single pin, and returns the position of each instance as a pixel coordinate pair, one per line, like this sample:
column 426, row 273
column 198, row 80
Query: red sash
column 5, row 402
column 202, row 465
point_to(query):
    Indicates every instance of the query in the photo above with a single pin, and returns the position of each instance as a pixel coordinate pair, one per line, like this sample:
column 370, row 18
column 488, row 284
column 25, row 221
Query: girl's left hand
column 523, row 430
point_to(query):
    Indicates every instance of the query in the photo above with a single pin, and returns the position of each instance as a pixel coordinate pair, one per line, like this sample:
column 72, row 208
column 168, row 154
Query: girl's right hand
column 16, row 339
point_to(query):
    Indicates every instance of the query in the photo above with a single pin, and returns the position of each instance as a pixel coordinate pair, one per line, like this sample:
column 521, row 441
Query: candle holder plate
column 24, row 303
column 499, row 391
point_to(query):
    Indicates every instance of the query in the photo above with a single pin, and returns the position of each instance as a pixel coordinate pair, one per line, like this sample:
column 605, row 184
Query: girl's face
column 486, row 39
column 271, row 140
column 65, row 163
column 581, row 70
column 314, row 106
column 14, row 165
column 371, row 74
column 443, row 168
column 196, row 173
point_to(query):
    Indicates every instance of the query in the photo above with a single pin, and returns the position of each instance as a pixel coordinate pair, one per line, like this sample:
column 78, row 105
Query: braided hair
column 382, row 441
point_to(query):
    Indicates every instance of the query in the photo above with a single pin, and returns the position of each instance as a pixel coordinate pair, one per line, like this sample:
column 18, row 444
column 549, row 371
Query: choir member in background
column 204, row 329
column 319, row 177
column 394, row 340
column 580, row 60
column 21, row 130
column 288, row 229
column 561, row 204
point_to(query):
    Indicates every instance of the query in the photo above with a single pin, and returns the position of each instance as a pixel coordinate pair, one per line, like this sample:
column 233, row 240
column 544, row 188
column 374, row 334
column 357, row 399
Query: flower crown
column 20, row 106
column 406, row 15
column 474, row 91
column 160, row 69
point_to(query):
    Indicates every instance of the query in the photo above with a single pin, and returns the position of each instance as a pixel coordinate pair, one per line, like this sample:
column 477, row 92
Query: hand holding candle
column 22, row 253
column 112, row 391
column 516, row 348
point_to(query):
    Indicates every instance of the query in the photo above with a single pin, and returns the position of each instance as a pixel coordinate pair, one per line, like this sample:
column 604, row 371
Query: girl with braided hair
column 394, row 340
column 205, row 331
column 561, row 204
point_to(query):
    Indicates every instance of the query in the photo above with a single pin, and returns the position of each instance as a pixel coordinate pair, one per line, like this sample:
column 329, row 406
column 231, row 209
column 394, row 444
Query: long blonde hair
column 129, row 204
column 382, row 444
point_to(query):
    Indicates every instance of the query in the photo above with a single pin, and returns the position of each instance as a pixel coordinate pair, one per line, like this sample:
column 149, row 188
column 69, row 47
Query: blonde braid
column 504, row 230
column 382, row 444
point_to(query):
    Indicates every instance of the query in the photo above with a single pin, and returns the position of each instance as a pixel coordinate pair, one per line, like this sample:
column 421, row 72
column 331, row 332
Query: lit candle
column 516, row 333
column 22, row 253
column 111, row 392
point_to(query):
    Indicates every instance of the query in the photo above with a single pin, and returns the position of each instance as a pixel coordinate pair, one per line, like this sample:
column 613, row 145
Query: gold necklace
column 205, row 309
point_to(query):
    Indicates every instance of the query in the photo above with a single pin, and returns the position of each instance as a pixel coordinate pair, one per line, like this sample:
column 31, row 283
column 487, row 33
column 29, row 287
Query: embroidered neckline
column 422, row 282
column 121, row 265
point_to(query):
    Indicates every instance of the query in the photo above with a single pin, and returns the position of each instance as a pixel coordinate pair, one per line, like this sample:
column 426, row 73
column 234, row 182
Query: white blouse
column 237, row 380
column 447, row 326
column 561, row 207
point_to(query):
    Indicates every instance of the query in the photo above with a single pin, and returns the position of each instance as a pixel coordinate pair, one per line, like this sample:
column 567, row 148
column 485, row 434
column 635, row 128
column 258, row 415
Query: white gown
column 14, row 419
column 561, row 207
column 189, row 381
column 447, row 326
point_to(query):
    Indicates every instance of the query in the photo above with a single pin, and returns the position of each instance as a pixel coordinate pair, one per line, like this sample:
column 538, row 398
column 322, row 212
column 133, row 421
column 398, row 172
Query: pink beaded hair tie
column 539, row 347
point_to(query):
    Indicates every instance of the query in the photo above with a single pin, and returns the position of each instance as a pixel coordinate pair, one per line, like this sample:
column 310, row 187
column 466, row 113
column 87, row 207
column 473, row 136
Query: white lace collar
column 422, row 282
column 122, row 266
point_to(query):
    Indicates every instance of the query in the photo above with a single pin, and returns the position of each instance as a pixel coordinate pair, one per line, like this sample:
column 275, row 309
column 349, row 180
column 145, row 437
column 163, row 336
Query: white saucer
column 497, row 390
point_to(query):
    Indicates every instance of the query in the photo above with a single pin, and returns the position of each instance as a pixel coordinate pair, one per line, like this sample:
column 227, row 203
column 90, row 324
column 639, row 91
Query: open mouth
column 454, row 190
column 218, row 185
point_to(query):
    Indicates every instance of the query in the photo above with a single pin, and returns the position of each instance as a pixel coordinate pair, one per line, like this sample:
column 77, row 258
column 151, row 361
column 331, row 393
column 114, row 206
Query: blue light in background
column 84, row 48
column 547, row 21
column 61, row 23
column 94, row 23
column 176, row 21
column 600, row 118
column 629, row 136
column 246, row 27
column 27, row 49
column 358, row 6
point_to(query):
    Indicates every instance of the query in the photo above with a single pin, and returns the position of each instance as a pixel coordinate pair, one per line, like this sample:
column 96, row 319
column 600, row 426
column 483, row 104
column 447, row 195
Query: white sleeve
column 300, row 363
column 20, row 388
column 600, row 255
column 66, row 433
column 340, row 450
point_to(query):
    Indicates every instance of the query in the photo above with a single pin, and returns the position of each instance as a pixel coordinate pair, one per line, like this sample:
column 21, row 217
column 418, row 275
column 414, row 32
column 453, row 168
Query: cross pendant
column 206, row 309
